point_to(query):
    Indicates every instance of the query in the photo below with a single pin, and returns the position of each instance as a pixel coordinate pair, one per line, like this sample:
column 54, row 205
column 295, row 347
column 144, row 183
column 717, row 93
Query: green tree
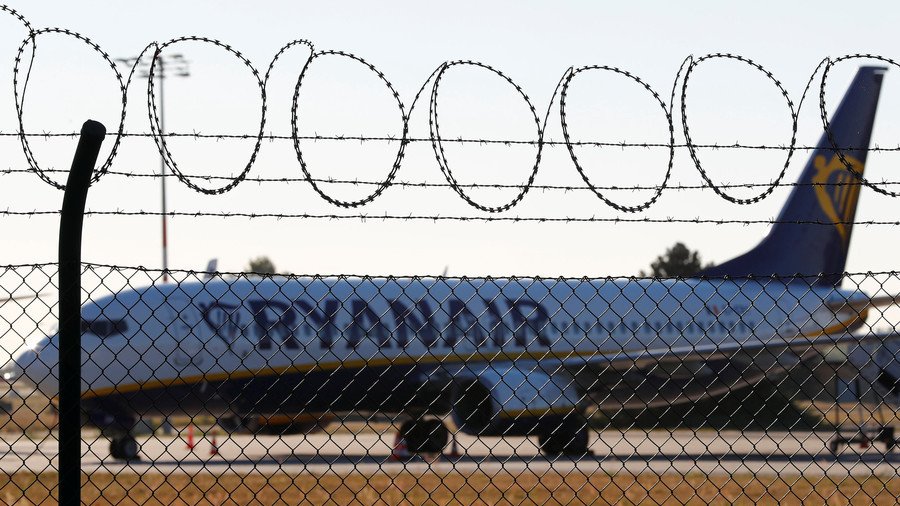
column 678, row 261
column 261, row 265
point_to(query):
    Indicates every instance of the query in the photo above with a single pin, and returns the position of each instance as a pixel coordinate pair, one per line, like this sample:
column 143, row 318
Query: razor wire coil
column 154, row 50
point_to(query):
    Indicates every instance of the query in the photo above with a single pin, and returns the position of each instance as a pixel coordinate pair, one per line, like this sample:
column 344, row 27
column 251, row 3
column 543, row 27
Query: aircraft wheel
column 124, row 448
column 425, row 435
column 568, row 438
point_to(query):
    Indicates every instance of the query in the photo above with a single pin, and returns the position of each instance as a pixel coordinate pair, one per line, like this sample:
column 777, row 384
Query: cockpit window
column 104, row 328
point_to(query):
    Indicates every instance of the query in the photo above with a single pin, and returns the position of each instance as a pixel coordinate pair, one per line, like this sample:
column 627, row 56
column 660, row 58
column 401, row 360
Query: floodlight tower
column 173, row 65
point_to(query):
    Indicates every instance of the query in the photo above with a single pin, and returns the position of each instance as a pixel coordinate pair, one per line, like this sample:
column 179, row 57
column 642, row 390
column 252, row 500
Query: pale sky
column 531, row 42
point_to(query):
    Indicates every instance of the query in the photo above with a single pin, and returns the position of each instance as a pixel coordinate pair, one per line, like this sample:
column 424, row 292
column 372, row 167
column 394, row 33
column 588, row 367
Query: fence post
column 70, row 221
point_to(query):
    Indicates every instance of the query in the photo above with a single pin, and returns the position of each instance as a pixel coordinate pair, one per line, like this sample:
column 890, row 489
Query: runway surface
column 632, row 452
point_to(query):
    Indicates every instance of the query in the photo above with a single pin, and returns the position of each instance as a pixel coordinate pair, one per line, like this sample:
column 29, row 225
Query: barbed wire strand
column 499, row 186
column 437, row 217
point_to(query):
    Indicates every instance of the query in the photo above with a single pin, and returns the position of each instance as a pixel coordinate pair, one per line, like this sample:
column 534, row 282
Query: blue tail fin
column 827, row 193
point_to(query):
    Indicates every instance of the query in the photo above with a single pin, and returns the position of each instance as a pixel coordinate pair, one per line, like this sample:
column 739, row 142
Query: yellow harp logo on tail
column 837, row 190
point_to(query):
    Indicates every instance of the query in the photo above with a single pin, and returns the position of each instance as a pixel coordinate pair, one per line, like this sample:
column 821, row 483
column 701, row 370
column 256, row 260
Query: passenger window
column 104, row 328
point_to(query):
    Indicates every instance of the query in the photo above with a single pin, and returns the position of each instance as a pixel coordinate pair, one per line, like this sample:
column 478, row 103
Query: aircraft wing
column 654, row 355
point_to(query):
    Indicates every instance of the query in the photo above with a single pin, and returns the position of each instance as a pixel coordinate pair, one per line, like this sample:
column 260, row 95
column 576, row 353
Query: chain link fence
column 282, row 389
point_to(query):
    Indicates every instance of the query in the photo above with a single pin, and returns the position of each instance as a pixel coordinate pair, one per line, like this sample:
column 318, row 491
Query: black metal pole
column 70, row 221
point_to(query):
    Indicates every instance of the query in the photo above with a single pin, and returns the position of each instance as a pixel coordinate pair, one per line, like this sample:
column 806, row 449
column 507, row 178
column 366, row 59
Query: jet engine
column 506, row 399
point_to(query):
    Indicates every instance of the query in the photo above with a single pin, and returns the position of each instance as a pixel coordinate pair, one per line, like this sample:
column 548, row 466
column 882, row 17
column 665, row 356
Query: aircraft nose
column 15, row 369
column 35, row 368
column 10, row 372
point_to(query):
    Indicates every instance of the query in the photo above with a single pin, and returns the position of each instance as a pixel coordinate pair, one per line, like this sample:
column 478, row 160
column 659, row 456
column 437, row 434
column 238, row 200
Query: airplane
column 211, row 267
column 501, row 357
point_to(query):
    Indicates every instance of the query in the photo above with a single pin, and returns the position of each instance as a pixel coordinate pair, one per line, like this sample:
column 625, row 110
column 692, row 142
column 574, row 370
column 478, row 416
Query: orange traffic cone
column 214, row 449
column 400, row 452
column 190, row 437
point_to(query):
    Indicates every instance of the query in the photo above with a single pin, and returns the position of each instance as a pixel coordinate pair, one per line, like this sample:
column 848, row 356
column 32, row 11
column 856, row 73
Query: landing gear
column 568, row 438
column 124, row 448
column 425, row 435
column 865, row 437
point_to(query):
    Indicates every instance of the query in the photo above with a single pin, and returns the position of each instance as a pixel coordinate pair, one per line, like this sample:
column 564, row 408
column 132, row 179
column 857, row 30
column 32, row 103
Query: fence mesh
column 283, row 389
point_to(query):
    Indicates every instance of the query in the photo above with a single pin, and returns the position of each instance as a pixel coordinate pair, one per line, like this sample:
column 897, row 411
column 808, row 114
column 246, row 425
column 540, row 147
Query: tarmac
column 342, row 453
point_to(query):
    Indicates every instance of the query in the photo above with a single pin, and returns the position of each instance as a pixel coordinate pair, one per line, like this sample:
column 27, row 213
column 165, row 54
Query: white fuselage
column 165, row 336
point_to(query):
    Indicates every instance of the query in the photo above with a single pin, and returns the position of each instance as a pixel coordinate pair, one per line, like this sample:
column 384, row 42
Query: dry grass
column 455, row 488
column 30, row 411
